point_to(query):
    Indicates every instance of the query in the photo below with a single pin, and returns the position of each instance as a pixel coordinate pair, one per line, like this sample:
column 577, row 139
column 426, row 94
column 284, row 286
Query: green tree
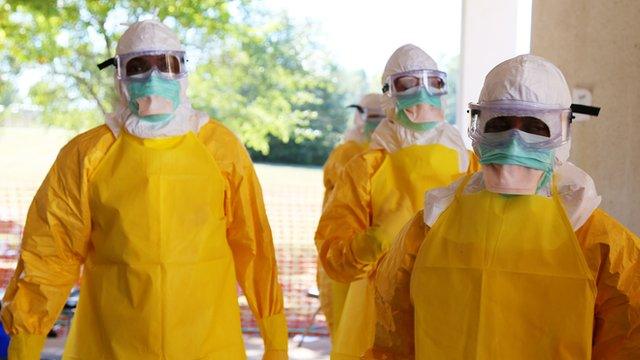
column 255, row 72
column 312, row 144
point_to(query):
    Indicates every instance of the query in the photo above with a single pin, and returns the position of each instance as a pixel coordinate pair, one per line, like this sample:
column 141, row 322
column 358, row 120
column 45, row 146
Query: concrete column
column 596, row 44
column 492, row 31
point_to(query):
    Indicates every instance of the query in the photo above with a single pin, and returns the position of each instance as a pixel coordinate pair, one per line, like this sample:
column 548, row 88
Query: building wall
column 596, row 44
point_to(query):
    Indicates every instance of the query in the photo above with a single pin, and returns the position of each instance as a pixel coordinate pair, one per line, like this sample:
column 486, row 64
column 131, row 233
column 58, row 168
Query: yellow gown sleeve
column 613, row 254
column 249, row 237
column 391, row 277
column 336, row 162
column 474, row 163
column 54, row 245
column 346, row 216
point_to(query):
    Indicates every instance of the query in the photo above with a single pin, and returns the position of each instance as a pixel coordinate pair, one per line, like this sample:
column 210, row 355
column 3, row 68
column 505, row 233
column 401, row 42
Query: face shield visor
column 535, row 126
column 411, row 82
column 368, row 115
column 136, row 66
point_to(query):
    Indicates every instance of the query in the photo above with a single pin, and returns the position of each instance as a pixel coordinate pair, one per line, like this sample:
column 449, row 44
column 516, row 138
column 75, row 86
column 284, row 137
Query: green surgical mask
column 514, row 153
column 406, row 101
column 370, row 127
column 155, row 85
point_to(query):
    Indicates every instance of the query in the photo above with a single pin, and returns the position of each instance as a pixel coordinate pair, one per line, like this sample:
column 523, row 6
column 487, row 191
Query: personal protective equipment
column 506, row 161
column 381, row 189
column 553, row 256
column 433, row 82
column 406, row 58
column 403, row 119
column 556, row 119
column 336, row 161
column 509, row 179
column 418, row 111
column 368, row 246
column 26, row 346
column 391, row 137
column 155, row 44
column 416, row 98
column 578, row 192
column 377, row 192
column 367, row 117
column 415, row 91
column 388, row 190
column 333, row 293
column 615, row 331
column 143, row 102
column 524, row 84
column 357, row 326
column 500, row 274
column 371, row 124
column 138, row 65
column 164, row 228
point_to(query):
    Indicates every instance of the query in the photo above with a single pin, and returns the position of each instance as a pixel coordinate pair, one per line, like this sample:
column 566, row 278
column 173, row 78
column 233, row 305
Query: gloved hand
column 26, row 346
column 275, row 337
column 368, row 246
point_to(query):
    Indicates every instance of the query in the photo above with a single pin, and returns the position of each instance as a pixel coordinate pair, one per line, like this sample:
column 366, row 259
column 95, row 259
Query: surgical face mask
column 371, row 124
column 514, row 168
column 418, row 111
column 154, row 99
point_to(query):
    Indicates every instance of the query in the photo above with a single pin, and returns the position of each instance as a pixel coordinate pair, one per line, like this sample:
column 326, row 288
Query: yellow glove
column 368, row 246
column 26, row 346
column 275, row 337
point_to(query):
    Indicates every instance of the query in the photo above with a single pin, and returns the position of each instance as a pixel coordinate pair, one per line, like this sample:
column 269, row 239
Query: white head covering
column 406, row 58
column 533, row 79
column 373, row 104
column 391, row 136
column 142, row 36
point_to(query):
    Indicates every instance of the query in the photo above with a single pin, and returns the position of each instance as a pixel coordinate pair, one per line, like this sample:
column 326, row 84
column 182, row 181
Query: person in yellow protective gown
column 356, row 140
column 162, row 210
column 516, row 261
column 411, row 151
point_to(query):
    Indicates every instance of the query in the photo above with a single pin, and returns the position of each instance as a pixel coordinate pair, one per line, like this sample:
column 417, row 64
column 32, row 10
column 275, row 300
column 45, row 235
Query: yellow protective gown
column 333, row 293
column 547, row 291
column 382, row 190
column 164, row 228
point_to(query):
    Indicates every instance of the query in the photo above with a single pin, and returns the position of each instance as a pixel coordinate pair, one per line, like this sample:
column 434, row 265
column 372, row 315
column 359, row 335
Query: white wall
column 596, row 44
column 492, row 31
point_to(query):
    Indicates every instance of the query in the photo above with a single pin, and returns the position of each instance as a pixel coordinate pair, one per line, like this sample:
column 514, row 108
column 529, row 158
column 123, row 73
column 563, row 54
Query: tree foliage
column 250, row 69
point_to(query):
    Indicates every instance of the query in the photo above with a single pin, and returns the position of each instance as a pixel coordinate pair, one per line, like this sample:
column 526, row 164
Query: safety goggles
column 409, row 82
column 536, row 126
column 367, row 115
column 140, row 65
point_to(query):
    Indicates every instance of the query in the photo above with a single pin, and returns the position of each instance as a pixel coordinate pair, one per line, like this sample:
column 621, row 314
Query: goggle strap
column 357, row 107
column 107, row 63
column 585, row 109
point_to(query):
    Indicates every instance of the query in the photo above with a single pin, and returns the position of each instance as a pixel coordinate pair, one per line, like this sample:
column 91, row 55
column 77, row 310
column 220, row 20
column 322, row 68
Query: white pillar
column 492, row 31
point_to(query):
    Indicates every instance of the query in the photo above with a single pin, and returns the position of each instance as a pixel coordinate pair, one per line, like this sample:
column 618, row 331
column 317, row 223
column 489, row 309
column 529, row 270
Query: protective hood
column 532, row 79
column 143, row 36
column 372, row 103
column 406, row 58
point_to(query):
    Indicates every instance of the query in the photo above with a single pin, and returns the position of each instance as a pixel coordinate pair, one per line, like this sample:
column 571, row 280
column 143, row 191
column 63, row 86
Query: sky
column 361, row 34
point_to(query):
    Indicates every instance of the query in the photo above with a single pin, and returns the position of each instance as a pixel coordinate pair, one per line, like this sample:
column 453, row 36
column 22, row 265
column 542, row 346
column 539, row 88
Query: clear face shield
column 535, row 126
column 368, row 115
column 411, row 82
column 137, row 66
